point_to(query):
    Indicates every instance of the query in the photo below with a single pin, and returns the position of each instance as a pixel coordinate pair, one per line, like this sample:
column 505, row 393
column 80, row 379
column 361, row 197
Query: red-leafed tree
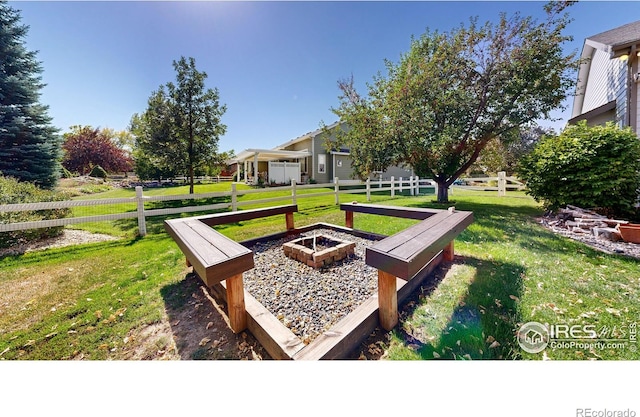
column 85, row 147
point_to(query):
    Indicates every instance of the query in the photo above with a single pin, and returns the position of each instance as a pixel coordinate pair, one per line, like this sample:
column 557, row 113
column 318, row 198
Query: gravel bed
column 306, row 300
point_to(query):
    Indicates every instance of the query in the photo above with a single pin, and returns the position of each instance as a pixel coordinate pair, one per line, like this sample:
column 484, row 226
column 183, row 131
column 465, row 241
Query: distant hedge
column 591, row 167
column 13, row 191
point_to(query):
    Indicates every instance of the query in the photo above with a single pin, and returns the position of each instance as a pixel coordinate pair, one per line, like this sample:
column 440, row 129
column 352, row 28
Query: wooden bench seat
column 216, row 258
column 410, row 251
column 407, row 252
column 243, row 215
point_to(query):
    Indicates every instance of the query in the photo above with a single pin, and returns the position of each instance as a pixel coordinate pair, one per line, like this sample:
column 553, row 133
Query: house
column 609, row 79
column 304, row 159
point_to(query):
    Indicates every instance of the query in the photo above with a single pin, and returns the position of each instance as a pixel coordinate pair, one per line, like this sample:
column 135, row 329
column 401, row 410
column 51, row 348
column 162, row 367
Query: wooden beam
column 387, row 300
column 415, row 213
column 235, row 304
column 289, row 221
column 348, row 219
column 237, row 216
column 448, row 252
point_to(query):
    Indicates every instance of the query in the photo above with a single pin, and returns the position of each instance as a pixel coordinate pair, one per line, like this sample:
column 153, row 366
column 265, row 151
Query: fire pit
column 318, row 250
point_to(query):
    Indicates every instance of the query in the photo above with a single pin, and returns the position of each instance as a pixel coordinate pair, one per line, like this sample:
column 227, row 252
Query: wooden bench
column 406, row 253
column 216, row 258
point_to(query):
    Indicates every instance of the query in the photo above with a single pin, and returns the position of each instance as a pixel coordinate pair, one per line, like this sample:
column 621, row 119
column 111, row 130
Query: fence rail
column 411, row 185
column 140, row 199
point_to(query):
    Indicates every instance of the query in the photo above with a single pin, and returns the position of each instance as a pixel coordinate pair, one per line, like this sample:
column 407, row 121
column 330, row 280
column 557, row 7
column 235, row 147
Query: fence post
column 234, row 198
column 380, row 181
column 294, row 199
column 502, row 184
column 400, row 186
column 336, row 187
column 393, row 190
column 368, row 189
column 142, row 225
column 416, row 190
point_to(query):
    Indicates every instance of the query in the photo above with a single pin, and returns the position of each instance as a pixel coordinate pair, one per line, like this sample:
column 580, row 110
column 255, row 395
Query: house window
column 322, row 163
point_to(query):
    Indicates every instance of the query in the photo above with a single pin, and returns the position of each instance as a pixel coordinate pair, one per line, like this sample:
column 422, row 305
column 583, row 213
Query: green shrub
column 98, row 172
column 14, row 192
column 591, row 167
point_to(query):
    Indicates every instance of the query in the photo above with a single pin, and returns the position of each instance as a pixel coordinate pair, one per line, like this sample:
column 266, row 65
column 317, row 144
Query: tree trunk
column 443, row 191
column 191, row 179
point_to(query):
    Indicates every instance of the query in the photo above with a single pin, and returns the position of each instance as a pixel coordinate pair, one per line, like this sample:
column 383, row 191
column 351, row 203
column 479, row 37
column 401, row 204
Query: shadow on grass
column 199, row 325
column 460, row 320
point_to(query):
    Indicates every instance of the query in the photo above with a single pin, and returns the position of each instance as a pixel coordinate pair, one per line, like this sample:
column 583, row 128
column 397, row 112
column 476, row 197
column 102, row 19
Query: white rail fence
column 502, row 184
column 411, row 186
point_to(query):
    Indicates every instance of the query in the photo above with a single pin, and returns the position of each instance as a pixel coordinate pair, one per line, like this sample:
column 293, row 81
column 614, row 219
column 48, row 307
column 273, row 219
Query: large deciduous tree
column 180, row 130
column 453, row 92
column 85, row 147
column 29, row 144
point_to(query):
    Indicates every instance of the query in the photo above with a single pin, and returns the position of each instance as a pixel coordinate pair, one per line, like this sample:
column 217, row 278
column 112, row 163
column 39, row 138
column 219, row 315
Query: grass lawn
column 83, row 301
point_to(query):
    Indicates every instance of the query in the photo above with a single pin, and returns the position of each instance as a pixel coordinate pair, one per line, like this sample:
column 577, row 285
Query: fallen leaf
column 613, row 311
column 4, row 351
column 467, row 356
column 98, row 314
column 490, row 339
column 436, row 355
column 514, row 298
column 204, row 341
column 495, row 344
column 209, row 325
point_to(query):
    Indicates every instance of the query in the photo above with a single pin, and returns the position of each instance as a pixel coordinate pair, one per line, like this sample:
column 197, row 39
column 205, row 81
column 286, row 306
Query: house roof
column 268, row 155
column 616, row 39
column 306, row 136
column 614, row 42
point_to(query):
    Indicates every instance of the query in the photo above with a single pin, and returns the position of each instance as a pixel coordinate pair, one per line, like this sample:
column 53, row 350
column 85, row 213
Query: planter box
column 630, row 232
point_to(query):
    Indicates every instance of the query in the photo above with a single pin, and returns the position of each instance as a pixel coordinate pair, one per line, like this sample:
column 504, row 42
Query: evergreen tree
column 30, row 148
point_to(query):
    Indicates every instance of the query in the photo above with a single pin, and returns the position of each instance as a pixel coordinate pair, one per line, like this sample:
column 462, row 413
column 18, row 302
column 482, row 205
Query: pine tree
column 30, row 147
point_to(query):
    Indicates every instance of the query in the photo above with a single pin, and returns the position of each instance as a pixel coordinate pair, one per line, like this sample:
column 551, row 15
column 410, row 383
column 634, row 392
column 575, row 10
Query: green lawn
column 83, row 301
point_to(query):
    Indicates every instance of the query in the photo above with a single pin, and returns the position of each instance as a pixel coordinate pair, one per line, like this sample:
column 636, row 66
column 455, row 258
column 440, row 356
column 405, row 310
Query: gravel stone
column 306, row 300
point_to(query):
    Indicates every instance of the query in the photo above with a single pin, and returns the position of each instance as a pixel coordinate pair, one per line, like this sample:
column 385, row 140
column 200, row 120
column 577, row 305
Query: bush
column 14, row 192
column 98, row 172
column 591, row 167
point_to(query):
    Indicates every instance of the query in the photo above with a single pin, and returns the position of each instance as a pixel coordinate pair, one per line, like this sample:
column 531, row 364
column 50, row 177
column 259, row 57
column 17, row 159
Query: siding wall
column 604, row 81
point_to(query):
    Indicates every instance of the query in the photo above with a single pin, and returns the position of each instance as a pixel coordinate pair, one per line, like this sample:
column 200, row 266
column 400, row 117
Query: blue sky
column 276, row 64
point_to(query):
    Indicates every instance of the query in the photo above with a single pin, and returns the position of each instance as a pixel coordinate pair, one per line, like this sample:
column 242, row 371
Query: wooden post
column 336, row 187
column 387, row 300
column 234, row 198
column 393, row 190
column 235, row 304
column 502, row 184
column 142, row 225
column 289, row 220
column 400, row 186
column 348, row 221
column 448, row 252
column 368, row 189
